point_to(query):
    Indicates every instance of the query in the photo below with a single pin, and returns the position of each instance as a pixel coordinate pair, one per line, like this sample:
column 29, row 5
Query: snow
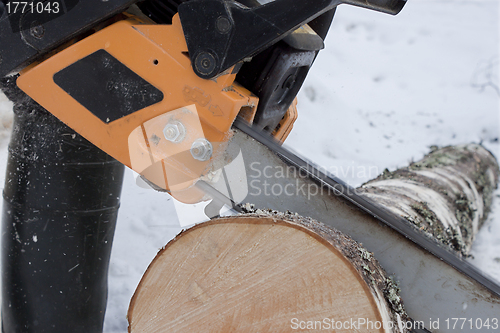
column 386, row 88
column 382, row 92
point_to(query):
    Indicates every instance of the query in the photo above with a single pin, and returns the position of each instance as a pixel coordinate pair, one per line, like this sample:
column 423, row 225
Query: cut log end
column 264, row 273
column 447, row 194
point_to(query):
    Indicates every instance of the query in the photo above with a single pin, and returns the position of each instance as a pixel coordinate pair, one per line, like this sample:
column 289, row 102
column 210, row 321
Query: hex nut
column 174, row 131
column 201, row 149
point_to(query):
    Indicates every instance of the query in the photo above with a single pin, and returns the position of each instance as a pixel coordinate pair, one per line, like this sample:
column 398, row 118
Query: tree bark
column 447, row 194
column 265, row 272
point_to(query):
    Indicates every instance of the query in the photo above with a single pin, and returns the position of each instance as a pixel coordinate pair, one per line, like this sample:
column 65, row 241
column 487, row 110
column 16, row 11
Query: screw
column 37, row 31
column 201, row 150
column 174, row 131
column 205, row 63
column 223, row 24
column 290, row 80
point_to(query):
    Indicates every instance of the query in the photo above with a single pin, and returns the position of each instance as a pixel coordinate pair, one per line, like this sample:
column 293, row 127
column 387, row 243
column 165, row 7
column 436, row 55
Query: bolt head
column 205, row 63
column 37, row 31
column 174, row 131
column 201, row 150
column 223, row 24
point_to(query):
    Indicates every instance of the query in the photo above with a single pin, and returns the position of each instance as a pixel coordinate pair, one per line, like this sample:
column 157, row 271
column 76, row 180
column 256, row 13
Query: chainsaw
column 192, row 94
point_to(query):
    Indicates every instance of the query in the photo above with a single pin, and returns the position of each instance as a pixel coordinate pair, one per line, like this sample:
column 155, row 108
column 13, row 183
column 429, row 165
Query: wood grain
column 256, row 274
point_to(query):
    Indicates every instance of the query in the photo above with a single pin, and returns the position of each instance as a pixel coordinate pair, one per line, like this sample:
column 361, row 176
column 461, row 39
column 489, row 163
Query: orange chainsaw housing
column 158, row 55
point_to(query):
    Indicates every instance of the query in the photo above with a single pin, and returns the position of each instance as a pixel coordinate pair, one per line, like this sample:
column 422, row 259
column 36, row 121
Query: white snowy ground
column 384, row 90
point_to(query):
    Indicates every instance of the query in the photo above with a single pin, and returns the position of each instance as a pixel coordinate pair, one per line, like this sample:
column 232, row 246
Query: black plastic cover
column 26, row 37
column 251, row 30
column 275, row 76
column 106, row 87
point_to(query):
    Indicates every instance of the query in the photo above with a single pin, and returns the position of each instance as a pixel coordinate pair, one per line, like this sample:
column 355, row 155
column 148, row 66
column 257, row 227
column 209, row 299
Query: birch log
column 265, row 272
column 447, row 194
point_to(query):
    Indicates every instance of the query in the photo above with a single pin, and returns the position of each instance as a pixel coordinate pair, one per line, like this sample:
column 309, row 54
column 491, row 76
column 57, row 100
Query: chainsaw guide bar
column 424, row 268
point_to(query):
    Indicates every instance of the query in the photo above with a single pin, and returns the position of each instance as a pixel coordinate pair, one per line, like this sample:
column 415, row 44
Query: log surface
column 256, row 273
